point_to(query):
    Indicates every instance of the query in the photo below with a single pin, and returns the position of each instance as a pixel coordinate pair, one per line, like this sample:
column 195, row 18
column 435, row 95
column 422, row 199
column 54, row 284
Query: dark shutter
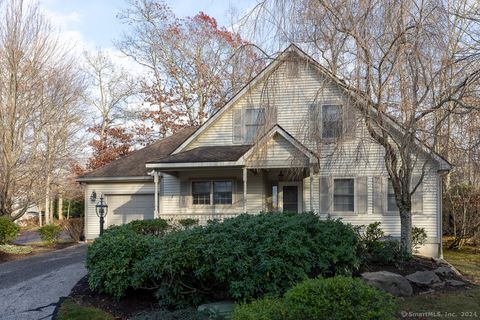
column 417, row 197
column 238, row 126
column 183, row 194
column 362, row 195
column 349, row 118
column 239, row 193
column 379, row 195
column 326, row 195
column 314, row 122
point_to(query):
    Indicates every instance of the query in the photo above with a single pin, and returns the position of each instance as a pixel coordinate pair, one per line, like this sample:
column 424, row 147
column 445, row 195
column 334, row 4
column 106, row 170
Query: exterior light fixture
column 280, row 176
column 93, row 196
column 101, row 208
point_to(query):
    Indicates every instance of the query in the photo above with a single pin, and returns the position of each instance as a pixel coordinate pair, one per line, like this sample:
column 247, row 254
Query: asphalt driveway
column 31, row 288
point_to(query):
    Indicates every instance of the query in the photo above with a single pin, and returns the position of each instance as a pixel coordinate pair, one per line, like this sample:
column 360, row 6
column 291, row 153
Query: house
column 290, row 140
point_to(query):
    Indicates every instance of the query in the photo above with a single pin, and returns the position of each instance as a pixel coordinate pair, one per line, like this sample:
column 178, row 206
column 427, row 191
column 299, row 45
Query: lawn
column 72, row 311
column 467, row 261
column 459, row 304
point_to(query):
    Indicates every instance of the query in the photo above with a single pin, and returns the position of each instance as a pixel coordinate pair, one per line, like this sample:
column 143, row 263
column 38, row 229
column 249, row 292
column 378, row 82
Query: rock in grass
column 390, row 282
column 444, row 271
column 217, row 310
column 424, row 279
column 455, row 283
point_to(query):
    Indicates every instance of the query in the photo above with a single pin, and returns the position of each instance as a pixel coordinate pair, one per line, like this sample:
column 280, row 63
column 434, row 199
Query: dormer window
column 254, row 120
column 332, row 124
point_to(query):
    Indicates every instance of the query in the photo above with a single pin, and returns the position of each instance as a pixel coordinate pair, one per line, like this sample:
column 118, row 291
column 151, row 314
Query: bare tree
column 39, row 90
column 397, row 63
column 192, row 65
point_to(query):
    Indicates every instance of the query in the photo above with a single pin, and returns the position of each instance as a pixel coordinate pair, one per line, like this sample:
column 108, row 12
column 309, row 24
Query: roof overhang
column 193, row 165
column 113, row 179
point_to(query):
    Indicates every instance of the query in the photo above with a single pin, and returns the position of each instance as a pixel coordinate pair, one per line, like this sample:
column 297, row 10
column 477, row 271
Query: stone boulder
column 455, row 283
column 217, row 310
column 390, row 282
column 444, row 271
column 424, row 279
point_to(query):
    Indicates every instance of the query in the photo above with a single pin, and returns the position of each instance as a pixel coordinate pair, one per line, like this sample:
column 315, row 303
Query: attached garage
column 128, row 207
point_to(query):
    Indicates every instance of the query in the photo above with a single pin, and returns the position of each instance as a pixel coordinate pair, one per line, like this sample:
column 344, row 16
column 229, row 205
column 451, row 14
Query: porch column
column 311, row 187
column 245, row 190
column 155, row 181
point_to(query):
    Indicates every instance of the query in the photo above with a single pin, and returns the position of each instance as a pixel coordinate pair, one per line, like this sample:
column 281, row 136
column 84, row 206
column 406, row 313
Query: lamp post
column 101, row 208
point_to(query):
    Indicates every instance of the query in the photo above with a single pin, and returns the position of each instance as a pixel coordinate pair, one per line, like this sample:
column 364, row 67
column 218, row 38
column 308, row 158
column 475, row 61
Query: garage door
column 128, row 207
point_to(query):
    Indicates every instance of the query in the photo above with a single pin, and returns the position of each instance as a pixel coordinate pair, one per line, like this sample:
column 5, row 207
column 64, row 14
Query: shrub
column 374, row 246
column 8, row 230
column 333, row 298
column 50, row 233
column 188, row 223
column 156, row 227
column 111, row 259
column 185, row 314
column 419, row 237
column 74, row 228
column 246, row 257
column 262, row 309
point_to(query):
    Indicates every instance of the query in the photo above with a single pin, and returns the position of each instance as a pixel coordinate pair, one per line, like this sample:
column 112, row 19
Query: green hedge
column 50, row 233
column 8, row 230
column 241, row 258
column 337, row 298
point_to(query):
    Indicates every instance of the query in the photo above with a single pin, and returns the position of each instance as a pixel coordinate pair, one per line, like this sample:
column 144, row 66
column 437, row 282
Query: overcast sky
column 93, row 24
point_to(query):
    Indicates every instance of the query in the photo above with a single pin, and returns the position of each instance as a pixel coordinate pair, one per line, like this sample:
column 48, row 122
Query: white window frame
column 386, row 199
column 322, row 127
column 354, row 194
column 246, row 125
column 232, row 181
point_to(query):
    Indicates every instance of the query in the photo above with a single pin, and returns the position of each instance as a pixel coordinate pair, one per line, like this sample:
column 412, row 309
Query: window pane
column 254, row 119
column 201, row 192
column 331, row 121
column 343, row 186
column 222, row 192
column 391, row 201
column 343, row 195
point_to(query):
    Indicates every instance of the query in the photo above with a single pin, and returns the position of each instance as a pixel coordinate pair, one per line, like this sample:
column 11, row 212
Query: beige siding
column 92, row 224
column 276, row 153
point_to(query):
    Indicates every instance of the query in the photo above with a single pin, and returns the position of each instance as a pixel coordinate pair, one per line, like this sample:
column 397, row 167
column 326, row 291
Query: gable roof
column 278, row 130
column 230, row 156
column 133, row 164
column 292, row 48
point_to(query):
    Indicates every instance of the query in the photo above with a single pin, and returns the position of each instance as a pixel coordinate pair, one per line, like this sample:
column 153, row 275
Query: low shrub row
column 50, row 233
column 334, row 298
column 242, row 258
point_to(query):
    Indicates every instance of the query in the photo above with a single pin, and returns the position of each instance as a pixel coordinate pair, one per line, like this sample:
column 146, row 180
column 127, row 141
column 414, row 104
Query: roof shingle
column 206, row 154
column 133, row 165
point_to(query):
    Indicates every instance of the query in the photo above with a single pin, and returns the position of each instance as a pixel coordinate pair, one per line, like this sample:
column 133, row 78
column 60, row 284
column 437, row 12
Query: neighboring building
column 289, row 140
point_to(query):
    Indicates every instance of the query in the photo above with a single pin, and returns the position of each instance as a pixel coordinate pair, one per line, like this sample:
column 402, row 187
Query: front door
column 290, row 196
column 290, row 199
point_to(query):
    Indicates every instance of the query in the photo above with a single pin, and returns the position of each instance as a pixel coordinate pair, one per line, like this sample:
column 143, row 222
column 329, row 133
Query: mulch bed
column 133, row 303
column 37, row 249
column 417, row 263
column 139, row 301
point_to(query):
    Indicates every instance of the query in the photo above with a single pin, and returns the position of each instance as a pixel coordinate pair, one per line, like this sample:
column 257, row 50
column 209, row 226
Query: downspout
column 440, row 214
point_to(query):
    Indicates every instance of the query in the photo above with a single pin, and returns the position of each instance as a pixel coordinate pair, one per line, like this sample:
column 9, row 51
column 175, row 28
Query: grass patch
column 13, row 249
column 466, row 260
column 69, row 310
column 453, row 305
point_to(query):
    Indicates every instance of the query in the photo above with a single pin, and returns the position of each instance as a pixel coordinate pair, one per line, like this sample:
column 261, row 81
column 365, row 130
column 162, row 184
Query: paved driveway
column 31, row 288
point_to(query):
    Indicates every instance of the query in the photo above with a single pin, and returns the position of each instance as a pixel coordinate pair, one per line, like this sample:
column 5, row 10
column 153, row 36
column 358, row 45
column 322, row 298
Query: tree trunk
column 406, row 229
column 52, row 210
column 60, row 207
column 47, row 201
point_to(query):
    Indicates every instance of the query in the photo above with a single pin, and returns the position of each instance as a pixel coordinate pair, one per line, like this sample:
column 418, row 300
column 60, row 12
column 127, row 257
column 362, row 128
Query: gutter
column 113, row 179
